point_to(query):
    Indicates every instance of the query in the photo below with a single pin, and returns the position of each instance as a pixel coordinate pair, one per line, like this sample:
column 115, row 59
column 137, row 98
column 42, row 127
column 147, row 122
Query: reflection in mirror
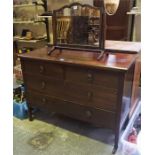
column 78, row 25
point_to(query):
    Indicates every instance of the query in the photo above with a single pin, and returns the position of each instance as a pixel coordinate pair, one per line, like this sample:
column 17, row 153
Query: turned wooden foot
column 117, row 135
column 115, row 149
column 52, row 50
column 101, row 55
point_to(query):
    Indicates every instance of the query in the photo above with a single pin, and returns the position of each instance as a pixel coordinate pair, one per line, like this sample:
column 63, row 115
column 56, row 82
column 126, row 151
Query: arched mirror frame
column 101, row 46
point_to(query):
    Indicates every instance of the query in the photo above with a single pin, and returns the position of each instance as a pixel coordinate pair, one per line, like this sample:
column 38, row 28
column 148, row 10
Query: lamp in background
column 111, row 6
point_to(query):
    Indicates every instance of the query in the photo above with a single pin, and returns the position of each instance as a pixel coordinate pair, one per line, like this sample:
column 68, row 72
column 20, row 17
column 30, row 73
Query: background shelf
column 23, row 5
column 28, row 5
column 28, row 22
column 20, row 39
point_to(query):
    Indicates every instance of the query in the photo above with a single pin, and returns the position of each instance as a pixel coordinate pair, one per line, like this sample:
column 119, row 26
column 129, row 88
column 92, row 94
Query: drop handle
column 89, row 95
column 43, row 100
column 90, row 77
column 88, row 114
column 41, row 69
column 43, row 85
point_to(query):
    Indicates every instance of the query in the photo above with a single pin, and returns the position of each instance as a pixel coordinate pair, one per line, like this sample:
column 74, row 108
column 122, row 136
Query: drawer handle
column 90, row 77
column 89, row 95
column 43, row 85
column 41, row 69
column 88, row 114
column 43, row 100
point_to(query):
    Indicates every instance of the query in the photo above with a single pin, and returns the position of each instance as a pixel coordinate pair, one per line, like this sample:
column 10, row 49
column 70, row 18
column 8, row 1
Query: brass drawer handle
column 89, row 95
column 88, row 114
column 41, row 69
column 43, row 85
column 90, row 77
column 43, row 100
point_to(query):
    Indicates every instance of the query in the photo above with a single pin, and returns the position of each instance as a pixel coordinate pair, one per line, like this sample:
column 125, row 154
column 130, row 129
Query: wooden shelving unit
column 23, row 22
column 39, row 16
column 24, row 5
column 20, row 42
column 44, row 5
column 28, row 5
column 23, row 39
column 27, row 22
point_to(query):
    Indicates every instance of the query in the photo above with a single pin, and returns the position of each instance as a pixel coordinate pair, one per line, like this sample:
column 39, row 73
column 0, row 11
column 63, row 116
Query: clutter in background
column 132, row 137
column 129, row 143
column 18, row 74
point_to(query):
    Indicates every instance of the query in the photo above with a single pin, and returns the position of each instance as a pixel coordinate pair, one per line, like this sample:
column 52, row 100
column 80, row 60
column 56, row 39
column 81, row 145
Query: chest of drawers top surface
column 110, row 61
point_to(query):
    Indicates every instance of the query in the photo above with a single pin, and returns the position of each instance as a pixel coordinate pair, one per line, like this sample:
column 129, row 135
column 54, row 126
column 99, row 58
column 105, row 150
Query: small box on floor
column 20, row 110
column 19, row 103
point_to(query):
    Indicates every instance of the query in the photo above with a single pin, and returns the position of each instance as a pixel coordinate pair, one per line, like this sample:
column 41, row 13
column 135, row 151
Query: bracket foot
column 52, row 50
column 114, row 150
column 101, row 55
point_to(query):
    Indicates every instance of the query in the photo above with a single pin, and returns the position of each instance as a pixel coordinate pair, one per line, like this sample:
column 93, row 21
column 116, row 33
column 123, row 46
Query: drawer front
column 91, row 95
column 43, row 68
column 45, row 85
column 89, row 76
column 92, row 115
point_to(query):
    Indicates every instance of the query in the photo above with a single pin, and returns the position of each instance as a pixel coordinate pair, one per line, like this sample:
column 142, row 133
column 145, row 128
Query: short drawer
column 38, row 100
column 91, row 95
column 43, row 68
column 46, row 85
column 90, row 76
column 84, row 113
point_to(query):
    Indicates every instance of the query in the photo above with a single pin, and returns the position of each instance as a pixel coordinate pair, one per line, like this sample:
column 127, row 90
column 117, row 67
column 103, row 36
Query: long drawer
column 92, row 115
column 90, row 95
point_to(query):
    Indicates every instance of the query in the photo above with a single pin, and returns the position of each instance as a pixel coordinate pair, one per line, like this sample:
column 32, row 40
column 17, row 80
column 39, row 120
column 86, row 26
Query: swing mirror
column 78, row 26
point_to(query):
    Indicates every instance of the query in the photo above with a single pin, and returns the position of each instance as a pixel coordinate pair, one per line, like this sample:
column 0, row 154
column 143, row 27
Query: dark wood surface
column 112, row 61
column 71, row 109
column 76, row 84
column 119, row 25
column 136, row 89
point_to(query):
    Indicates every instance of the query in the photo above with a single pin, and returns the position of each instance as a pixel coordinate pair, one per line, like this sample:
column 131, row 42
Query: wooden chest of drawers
column 77, row 85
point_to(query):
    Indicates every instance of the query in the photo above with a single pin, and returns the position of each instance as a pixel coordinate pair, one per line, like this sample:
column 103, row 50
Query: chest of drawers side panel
column 123, row 101
column 127, row 93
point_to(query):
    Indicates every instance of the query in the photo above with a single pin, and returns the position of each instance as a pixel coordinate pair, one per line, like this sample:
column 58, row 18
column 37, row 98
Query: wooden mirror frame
column 89, row 48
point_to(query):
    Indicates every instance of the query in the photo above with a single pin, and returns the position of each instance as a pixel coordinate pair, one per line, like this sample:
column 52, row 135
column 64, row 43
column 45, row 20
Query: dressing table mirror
column 79, row 27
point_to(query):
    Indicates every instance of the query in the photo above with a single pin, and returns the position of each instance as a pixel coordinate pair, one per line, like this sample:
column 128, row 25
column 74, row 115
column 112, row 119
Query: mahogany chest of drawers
column 77, row 85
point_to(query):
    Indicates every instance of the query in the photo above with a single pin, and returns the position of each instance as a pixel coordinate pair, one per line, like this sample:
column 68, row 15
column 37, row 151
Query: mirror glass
column 111, row 6
column 78, row 25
